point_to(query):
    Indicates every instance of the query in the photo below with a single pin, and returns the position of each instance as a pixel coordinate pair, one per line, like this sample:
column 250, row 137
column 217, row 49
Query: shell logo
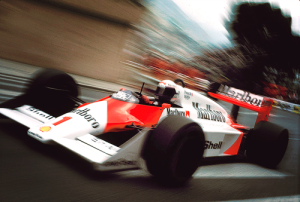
column 45, row 128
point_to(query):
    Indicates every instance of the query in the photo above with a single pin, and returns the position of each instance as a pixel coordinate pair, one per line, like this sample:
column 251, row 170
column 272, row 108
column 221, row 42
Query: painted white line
column 294, row 139
column 276, row 115
column 237, row 170
column 251, row 113
column 295, row 198
column 255, row 113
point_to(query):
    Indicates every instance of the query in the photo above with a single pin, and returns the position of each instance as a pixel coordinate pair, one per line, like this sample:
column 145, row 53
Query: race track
column 31, row 171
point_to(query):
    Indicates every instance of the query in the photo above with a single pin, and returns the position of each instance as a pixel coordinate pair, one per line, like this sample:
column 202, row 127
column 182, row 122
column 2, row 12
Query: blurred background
column 108, row 44
column 250, row 45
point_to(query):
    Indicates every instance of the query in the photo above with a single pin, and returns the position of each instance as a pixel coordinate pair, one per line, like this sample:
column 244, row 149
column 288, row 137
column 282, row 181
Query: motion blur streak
column 109, row 44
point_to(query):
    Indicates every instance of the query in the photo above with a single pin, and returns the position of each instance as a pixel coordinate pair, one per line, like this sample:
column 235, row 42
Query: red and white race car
column 168, row 134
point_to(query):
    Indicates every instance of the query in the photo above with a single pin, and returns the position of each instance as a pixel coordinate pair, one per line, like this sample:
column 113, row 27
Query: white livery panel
column 84, row 120
column 220, row 138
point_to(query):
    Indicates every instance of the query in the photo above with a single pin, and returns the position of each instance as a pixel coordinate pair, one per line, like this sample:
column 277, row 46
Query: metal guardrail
column 11, row 86
column 287, row 106
column 14, row 85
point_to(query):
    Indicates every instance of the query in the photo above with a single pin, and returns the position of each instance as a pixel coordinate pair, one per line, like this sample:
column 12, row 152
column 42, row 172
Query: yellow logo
column 45, row 128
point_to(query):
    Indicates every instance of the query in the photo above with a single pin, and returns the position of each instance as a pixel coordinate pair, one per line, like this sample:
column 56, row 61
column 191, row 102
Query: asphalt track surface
column 31, row 171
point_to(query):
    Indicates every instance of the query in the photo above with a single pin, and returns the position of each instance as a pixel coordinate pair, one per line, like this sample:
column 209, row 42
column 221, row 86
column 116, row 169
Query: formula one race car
column 168, row 134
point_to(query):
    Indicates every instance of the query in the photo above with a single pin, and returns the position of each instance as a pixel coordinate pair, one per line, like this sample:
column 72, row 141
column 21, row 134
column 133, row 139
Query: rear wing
column 244, row 99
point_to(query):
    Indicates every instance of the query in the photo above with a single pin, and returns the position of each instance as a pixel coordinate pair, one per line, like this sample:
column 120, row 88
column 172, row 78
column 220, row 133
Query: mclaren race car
column 168, row 134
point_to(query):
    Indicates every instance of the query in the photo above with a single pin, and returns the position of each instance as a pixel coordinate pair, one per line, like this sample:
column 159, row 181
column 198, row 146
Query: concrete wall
column 63, row 35
column 123, row 11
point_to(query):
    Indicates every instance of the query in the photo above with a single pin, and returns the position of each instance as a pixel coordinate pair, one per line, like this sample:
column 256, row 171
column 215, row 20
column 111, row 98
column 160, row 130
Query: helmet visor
column 159, row 91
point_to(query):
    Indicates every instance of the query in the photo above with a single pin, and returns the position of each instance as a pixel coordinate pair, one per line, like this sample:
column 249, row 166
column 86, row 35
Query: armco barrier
column 287, row 106
column 296, row 109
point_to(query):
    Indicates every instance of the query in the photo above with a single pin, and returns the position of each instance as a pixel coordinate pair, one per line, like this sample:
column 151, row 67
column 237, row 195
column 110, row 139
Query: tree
column 264, row 35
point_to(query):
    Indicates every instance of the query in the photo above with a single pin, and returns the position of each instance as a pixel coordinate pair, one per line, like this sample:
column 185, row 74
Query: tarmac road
column 31, row 171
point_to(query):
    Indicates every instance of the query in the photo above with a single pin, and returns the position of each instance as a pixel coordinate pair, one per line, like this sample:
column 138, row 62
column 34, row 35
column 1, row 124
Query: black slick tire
column 51, row 91
column 266, row 144
column 174, row 149
column 53, row 79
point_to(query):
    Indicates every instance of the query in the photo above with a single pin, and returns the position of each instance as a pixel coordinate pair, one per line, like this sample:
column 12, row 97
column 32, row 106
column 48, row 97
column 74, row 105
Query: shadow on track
column 46, row 173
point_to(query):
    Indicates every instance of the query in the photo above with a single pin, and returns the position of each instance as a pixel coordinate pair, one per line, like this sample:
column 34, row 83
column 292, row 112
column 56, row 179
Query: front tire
column 53, row 80
column 174, row 149
column 266, row 144
column 52, row 91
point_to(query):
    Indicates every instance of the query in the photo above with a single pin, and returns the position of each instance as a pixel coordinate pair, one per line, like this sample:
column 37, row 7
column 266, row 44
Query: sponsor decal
column 209, row 114
column 104, row 144
column 296, row 109
column 88, row 117
column 288, row 106
column 241, row 95
column 274, row 103
column 34, row 134
column 121, row 95
column 98, row 144
column 282, row 105
column 187, row 95
column 40, row 113
column 64, row 119
column 120, row 162
column 187, row 114
column 45, row 128
column 211, row 145
column 178, row 113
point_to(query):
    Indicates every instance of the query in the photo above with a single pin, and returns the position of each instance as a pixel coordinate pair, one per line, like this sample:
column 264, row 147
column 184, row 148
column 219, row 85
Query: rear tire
column 266, row 144
column 174, row 149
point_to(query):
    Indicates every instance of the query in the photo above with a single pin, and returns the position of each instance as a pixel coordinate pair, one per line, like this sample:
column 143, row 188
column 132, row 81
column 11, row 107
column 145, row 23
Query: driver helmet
column 165, row 91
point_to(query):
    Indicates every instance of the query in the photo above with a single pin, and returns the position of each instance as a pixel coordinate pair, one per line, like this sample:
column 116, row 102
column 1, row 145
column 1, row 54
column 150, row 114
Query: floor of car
column 118, row 138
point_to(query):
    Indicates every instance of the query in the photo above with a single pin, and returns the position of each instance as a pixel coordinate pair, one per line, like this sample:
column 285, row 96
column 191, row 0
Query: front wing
column 103, row 155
